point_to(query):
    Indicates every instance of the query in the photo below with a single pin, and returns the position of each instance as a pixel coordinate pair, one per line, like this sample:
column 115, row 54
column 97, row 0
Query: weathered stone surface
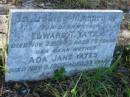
column 3, row 39
column 3, row 11
column 124, row 38
column 3, row 35
column 124, row 35
column 3, row 1
column 4, row 8
column 42, row 41
column 3, row 23
column 3, row 30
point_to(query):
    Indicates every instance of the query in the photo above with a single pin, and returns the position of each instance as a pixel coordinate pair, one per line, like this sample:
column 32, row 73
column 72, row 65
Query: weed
column 94, row 83
column 126, row 54
column 128, row 92
column 3, row 57
column 59, row 74
column 74, row 90
column 128, row 26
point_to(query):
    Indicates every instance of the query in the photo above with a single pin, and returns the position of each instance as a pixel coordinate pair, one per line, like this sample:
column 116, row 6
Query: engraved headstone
column 42, row 41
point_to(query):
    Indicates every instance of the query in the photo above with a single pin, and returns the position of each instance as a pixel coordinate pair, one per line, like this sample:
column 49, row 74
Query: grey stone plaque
column 42, row 41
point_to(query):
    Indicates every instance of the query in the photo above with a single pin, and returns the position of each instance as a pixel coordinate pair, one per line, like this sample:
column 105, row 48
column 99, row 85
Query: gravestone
column 42, row 41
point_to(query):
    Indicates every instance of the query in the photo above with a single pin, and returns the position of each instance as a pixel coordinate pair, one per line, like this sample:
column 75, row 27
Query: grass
column 81, row 3
column 3, row 60
column 89, row 84
column 102, row 82
column 65, row 4
column 3, row 68
column 39, row 1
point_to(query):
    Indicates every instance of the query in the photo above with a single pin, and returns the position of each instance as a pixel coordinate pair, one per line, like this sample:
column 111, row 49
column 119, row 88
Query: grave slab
column 41, row 41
